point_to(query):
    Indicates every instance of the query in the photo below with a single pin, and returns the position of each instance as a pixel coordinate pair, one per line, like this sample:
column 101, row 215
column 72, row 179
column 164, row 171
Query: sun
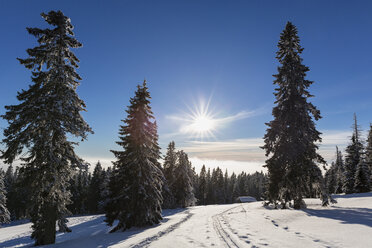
column 200, row 122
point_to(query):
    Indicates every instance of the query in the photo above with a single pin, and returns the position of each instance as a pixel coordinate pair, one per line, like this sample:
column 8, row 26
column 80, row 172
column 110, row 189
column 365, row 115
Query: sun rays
column 200, row 122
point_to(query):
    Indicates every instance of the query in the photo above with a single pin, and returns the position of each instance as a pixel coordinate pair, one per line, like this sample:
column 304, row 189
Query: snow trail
column 222, row 233
column 146, row 242
column 346, row 224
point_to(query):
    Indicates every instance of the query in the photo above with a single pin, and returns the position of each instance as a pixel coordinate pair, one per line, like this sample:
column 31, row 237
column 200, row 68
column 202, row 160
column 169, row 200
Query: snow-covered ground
column 345, row 224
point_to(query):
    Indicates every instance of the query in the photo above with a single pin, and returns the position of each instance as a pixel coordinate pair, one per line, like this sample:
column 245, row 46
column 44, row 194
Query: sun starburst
column 200, row 122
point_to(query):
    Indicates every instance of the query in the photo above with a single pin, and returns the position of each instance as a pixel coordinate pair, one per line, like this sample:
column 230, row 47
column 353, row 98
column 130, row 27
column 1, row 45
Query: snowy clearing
column 345, row 224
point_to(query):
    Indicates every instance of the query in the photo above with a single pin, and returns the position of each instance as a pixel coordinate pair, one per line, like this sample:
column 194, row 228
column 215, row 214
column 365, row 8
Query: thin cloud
column 249, row 149
column 230, row 165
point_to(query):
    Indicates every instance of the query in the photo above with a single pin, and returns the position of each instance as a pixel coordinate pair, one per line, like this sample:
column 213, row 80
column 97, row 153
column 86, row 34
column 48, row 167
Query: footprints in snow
column 274, row 223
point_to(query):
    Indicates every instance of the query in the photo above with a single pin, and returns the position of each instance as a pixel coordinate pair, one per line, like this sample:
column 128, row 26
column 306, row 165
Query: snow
column 345, row 224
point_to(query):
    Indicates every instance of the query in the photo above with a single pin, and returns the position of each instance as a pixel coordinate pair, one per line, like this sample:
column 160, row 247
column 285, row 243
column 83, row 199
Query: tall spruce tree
column 4, row 213
column 353, row 156
column 49, row 111
column 291, row 137
column 135, row 187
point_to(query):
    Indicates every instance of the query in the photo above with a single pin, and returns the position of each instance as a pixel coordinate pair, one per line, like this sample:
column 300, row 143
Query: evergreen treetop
column 354, row 152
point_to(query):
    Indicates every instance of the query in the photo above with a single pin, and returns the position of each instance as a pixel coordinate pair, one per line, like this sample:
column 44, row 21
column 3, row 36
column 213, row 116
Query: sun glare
column 200, row 122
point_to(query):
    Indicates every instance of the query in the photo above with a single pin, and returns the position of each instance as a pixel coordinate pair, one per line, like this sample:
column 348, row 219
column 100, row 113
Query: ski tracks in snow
column 146, row 242
column 224, row 231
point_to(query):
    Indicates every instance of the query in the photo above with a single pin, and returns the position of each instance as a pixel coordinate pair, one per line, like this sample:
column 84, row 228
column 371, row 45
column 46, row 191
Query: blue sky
column 199, row 51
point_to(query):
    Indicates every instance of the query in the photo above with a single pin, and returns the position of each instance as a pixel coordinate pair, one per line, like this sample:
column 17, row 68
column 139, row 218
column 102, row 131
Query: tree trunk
column 49, row 235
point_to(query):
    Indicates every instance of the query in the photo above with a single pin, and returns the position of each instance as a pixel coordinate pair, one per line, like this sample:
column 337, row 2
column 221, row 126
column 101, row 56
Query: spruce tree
column 209, row 197
column 105, row 191
column 339, row 163
column 219, row 187
column 353, row 156
column 9, row 178
column 49, row 111
column 226, row 187
column 232, row 194
column 183, row 186
column 331, row 178
column 169, row 165
column 369, row 152
column 10, row 188
column 202, row 187
column 362, row 177
column 135, row 187
column 79, row 188
column 95, row 187
column 4, row 213
column 21, row 195
column 291, row 137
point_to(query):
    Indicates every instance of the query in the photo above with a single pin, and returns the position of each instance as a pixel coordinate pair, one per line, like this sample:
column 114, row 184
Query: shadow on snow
column 361, row 216
column 92, row 233
column 355, row 195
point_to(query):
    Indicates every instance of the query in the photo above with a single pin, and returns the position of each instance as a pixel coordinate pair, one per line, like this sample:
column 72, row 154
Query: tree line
column 90, row 190
column 354, row 173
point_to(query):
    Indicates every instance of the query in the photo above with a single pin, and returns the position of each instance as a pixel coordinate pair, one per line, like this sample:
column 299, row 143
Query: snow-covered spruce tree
column 4, row 213
column 79, row 188
column 166, row 191
column 209, row 197
column 369, row 152
column 10, row 187
column 339, row 163
column 352, row 158
column 105, row 191
column 20, row 196
column 219, row 186
column 202, row 187
column 48, row 112
column 169, row 164
column 232, row 193
column 291, row 137
column 195, row 182
column 135, row 187
column 183, row 187
column 331, row 178
column 94, row 190
column 362, row 177
column 226, row 181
